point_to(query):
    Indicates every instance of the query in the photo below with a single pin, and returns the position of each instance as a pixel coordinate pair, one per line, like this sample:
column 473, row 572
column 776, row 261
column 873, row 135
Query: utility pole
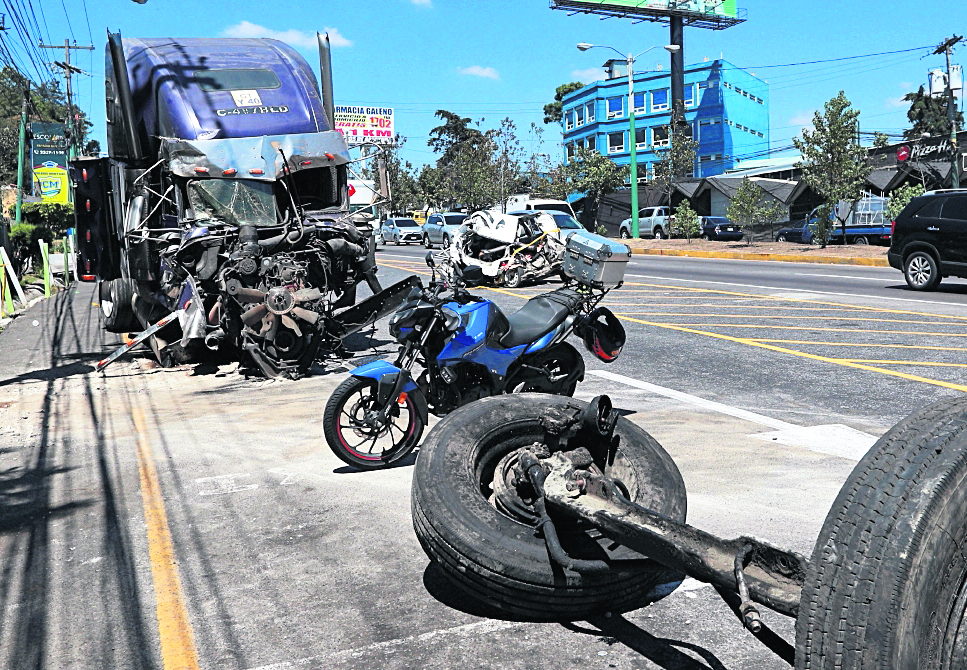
column 951, row 112
column 20, row 156
column 68, row 71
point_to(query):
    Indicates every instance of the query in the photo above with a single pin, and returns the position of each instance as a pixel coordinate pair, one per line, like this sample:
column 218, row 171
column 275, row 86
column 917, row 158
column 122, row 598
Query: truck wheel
column 887, row 584
column 625, row 235
column 115, row 298
column 861, row 240
column 921, row 271
column 659, row 234
column 499, row 558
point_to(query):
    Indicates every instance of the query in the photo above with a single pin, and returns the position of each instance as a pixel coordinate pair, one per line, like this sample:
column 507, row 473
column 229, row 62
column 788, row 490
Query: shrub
column 52, row 216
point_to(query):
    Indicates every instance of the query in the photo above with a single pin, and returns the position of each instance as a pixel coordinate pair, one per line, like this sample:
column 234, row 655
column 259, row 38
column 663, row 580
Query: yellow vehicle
column 417, row 215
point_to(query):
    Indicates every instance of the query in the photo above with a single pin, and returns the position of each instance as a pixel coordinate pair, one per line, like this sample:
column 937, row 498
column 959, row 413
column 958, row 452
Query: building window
column 579, row 115
column 570, row 150
column 759, row 100
column 590, row 110
column 569, row 119
column 616, row 142
column 710, row 158
column 759, row 134
column 641, row 138
column 689, row 95
column 708, row 83
column 591, row 142
column 659, row 100
column 659, row 136
column 616, row 107
column 639, row 103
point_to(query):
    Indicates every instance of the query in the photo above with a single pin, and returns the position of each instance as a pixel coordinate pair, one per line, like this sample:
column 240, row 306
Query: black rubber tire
column 115, row 298
column 344, row 452
column 659, row 234
column 504, row 562
column 861, row 240
column 921, row 271
column 396, row 240
column 446, row 242
column 512, row 278
column 426, row 241
column 887, row 585
column 562, row 356
column 780, row 238
column 625, row 235
column 705, row 237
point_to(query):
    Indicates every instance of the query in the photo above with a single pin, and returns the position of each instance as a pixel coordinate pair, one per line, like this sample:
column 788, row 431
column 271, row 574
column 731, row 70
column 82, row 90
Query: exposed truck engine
column 224, row 198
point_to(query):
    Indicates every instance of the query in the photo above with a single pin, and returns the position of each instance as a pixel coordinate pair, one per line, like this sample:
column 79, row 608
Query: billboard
column 366, row 125
column 48, row 162
column 714, row 14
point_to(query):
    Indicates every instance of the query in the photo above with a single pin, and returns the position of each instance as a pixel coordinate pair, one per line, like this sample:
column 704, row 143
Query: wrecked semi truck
column 224, row 198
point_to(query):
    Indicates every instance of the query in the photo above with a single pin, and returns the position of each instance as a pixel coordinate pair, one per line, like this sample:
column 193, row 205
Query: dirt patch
column 832, row 251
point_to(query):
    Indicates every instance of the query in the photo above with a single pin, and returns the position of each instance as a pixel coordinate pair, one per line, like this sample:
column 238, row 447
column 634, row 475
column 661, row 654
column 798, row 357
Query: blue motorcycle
column 468, row 349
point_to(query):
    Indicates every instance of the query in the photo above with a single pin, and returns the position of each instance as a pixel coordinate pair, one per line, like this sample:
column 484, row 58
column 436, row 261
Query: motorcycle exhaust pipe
column 214, row 339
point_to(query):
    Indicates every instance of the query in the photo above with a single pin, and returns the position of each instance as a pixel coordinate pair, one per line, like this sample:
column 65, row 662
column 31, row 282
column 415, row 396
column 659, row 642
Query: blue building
column 727, row 108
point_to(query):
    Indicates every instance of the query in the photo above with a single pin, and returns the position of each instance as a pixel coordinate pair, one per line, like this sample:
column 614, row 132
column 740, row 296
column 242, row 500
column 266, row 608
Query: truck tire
column 502, row 561
column 887, row 584
column 625, row 235
column 115, row 297
column 659, row 234
column 921, row 271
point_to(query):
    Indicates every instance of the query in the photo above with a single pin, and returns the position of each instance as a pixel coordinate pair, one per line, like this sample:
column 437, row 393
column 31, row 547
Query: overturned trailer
column 224, row 199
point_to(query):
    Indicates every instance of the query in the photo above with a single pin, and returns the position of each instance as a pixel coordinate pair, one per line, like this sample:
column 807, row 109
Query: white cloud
column 293, row 37
column 895, row 103
column 588, row 75
column 480, row 71
column 423, row 3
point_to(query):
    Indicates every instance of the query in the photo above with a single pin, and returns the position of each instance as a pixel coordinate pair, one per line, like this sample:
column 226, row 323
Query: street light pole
column 951, row 113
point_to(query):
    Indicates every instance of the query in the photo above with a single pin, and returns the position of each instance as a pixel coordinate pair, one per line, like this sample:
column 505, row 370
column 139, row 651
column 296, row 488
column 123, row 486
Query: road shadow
column 406, row 462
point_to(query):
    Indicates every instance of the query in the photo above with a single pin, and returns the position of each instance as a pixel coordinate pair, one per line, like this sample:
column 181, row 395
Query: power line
column 833, row 60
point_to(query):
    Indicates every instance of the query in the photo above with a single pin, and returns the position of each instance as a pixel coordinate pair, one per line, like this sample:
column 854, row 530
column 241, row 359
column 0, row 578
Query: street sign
column 366, row 125
column 903, row 153
column 48, row 162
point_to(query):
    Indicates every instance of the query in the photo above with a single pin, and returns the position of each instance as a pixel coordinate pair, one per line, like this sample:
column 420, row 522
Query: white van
column 524, row 201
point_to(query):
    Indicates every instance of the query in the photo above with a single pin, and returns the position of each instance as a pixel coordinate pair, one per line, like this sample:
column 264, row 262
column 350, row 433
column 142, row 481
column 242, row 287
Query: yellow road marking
column 793, row 316
column 174, row 628
column 945, row 365
column 859, row 344
column 792, row 352
column 813, row 302
column 814, row 328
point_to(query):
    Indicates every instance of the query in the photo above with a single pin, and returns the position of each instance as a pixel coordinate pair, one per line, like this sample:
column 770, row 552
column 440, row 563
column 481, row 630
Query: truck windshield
column 233, row 201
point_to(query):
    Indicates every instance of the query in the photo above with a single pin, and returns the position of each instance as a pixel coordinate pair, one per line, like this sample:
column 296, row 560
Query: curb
column 748, row 256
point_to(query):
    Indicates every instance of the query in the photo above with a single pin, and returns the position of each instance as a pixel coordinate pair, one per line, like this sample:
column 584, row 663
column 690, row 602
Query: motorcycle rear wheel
column 556, row 364
column 360, row 445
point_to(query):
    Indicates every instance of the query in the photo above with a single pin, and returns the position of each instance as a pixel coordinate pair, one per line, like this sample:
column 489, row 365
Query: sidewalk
column 855, row 254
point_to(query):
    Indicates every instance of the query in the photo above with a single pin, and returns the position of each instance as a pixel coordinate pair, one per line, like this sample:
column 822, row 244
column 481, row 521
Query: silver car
column 439, row 228
column 399, row 231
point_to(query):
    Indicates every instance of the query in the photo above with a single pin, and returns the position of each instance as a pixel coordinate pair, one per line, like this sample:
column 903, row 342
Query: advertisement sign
column 723, row 8
column 366, row 125
column 48, row 162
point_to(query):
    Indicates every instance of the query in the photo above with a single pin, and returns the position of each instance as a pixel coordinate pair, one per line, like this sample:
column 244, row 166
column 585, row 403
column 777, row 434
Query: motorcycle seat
column 539, row 315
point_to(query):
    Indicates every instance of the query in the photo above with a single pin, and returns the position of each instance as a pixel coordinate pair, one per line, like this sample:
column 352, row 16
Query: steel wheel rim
column 919, row 270
column 350, row 420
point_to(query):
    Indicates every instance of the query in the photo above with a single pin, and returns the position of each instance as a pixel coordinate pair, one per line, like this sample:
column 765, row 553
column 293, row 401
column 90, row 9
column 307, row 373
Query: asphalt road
column 191, row 518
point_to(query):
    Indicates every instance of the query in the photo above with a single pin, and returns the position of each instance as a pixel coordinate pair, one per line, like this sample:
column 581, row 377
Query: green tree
column 928, row 114
column 901, row 197
column 592, row 174
column 833, row 162
column 751, row 206
column 404, row 192
column 676, row 160
column 456, row 134
column 686, row 221
column 553, row 110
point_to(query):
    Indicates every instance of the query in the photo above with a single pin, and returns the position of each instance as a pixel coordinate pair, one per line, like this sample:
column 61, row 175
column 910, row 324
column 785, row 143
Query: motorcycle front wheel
column 355, row 440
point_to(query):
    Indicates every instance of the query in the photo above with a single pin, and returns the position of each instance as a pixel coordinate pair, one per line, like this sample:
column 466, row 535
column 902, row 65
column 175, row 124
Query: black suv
column 929, row 239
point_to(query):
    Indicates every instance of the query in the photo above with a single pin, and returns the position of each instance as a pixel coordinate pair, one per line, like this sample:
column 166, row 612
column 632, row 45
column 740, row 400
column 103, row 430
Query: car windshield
column 233, row 201
column 565, row 222
column 407, row 223
column 455, row 219
column 548, row 206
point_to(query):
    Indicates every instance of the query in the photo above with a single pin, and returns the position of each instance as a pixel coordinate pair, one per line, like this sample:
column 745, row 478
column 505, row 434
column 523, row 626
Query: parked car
column 719, row 228
column 804, row 234
column 399, row 231
column 524, row 202
column 439, row 228
column 929, row 238
column 652, row 222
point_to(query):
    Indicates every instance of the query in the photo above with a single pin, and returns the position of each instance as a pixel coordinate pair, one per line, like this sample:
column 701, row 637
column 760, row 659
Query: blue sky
column 504, row 58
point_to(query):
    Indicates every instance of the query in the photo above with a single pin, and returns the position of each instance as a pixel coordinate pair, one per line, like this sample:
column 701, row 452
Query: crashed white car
column 510, row 248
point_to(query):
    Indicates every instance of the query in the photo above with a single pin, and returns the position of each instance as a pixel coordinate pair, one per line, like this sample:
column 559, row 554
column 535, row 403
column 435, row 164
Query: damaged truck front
column 224, row 199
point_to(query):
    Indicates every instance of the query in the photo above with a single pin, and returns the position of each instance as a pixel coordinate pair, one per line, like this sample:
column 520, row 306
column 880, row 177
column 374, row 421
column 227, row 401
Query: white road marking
column 695, row 400
column 433, row 637
column 833, row 439
column 224, row 484
column 816, row 274
column 723, row 284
